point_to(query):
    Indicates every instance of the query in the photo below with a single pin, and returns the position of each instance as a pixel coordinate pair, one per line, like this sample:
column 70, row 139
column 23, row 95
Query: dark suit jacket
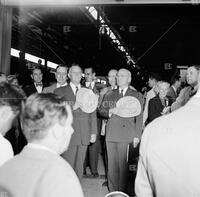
column 30, row 89
column 121, row 129
column 84, row 124
column 155, row 108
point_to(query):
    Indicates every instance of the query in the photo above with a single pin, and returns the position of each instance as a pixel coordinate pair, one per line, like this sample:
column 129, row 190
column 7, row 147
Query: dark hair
column 40, row 112
column 174, row 79
column 11, row 95
column 197, row 66
column 154, row 76
column 36, row 68
column 61, row 65
column 92, row 69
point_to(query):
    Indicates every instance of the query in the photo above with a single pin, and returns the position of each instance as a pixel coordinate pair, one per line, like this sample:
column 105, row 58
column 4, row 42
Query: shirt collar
column 58, row 85
column 113, row 87
column 38, row 83
column 124, row 90
column 38, row 146
column 74, row 87
column 87, row 84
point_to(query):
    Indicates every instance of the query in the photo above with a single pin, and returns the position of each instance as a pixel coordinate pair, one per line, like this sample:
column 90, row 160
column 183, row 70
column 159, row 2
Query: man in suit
column 39, row 170
column 112, row 85
column 120, row 131
column 169, row 154
column 37, row 85
column 85, row 124
column 186, row 93
column 61, row 78
column 93, row 150
column 175, row 85
column 11, row 98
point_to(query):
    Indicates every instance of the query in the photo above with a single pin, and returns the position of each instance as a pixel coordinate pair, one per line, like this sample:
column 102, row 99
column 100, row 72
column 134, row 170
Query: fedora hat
column 87, row 100
column 128, row 106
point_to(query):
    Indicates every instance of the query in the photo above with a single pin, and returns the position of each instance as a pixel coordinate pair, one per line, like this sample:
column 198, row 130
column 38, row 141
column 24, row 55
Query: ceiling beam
column 91, row 2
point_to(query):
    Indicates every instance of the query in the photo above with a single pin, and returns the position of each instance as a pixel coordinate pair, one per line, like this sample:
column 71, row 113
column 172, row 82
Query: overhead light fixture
column 33, row 58
column 105, row 29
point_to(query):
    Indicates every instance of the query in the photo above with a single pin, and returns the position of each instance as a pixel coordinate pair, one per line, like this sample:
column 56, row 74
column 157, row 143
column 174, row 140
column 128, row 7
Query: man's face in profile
column 67, row 130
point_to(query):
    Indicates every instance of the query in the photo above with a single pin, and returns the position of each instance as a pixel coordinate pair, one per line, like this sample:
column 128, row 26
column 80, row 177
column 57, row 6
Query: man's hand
column 112, row 111
column 93, row 138
column 76, row 106
column 166, row 110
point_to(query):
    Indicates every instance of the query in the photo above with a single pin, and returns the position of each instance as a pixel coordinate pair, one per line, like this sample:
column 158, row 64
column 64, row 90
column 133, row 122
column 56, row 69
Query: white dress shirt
column 58, row 85
column 6, row 150
column 88, row 84
column 124, row 90
column 74, row 87
column 38, row 88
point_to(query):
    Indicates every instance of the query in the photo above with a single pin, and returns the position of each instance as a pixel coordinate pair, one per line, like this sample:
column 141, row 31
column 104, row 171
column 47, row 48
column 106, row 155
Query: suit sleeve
column 181, row 99
column 105, row 106
column 139, row 119
column 153, row 113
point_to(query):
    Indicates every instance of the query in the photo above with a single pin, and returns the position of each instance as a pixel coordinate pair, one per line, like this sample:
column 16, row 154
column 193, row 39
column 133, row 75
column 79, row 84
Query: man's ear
column 129, row 80
column 56, row 131
column 32, row 76
column 6, row 112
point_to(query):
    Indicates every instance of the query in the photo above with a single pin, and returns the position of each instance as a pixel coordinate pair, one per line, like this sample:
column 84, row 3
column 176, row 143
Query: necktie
column 76, row 90
column 90, row 86
column 121, row 93
column 192, row 92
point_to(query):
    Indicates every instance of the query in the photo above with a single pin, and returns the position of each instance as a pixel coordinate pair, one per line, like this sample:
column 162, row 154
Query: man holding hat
column 120, row 131
column 84, row 124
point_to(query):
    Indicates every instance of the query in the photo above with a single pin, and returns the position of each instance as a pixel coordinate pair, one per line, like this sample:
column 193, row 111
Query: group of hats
column 127, row 106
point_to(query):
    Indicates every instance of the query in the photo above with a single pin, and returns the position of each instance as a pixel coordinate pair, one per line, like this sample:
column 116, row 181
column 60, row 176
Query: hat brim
column 128, row 107
column 87, row 99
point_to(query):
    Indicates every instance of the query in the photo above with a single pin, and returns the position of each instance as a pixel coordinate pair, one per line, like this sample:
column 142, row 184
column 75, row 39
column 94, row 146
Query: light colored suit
column 84, row 125
column 39, row 173
column 120, row 132
column 182, row 98
column 169, row 154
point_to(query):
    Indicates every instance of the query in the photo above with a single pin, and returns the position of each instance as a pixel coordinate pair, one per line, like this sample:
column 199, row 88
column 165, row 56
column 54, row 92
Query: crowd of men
column 63, row 140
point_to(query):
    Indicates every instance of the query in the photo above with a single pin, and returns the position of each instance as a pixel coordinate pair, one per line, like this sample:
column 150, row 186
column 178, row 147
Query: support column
column 5, row 37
